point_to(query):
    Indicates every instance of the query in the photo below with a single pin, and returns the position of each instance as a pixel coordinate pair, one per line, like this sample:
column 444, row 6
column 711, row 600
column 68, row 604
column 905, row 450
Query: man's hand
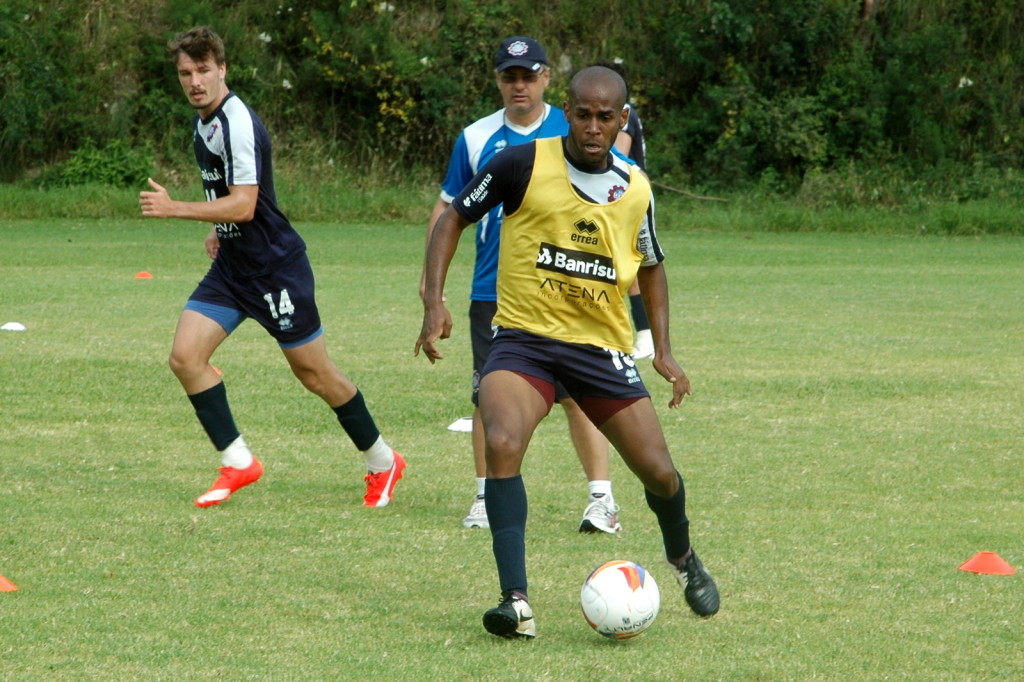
column 437, row 324
column 156, row 204
column 212, row 243
column 666, row 366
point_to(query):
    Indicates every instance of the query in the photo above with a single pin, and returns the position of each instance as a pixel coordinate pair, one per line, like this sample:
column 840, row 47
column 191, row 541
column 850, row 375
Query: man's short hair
column 198, row 43
column 593, row 74
column 618, row 68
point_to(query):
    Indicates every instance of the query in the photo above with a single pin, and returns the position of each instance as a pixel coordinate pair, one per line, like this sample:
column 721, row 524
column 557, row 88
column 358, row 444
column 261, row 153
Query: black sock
column 636, row 305
column 506, row 512
column 675, row 527
column 214, row 414
column 357, row 422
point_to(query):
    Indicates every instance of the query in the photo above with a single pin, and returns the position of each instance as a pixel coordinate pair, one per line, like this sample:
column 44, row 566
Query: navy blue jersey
column 232, row 147
column 637, row 146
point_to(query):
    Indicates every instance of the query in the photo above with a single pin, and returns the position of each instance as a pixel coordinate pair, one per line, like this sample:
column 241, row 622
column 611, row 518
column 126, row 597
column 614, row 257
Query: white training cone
column 462, row 425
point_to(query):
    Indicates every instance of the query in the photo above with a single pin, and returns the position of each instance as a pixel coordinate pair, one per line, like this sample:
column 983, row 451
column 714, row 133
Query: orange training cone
column 6, row 585
column 988, row 563
column 143, row 275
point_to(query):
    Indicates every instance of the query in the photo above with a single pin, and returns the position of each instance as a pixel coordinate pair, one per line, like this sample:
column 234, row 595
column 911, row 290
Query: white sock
column 600, row 488
column 480, row 486
column 236, row 455
column 380, row 456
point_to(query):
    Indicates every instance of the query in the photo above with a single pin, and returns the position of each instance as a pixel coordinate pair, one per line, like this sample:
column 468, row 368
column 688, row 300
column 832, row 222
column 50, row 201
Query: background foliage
column 778, row 94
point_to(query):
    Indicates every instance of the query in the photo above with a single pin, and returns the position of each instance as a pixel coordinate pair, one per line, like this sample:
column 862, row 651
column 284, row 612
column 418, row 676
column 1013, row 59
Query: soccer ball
column 620, row 599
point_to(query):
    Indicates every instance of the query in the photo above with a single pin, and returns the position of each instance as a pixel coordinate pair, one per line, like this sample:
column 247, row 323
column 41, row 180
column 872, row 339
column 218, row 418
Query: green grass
column 320, row 191
column 853, row 436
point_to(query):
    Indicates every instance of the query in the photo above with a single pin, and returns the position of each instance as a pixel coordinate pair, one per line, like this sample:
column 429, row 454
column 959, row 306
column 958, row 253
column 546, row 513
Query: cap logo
column 518, row 48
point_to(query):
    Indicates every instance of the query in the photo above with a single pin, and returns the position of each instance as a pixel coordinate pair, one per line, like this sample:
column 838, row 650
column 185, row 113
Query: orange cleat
column 381, row 485
column 230, row 480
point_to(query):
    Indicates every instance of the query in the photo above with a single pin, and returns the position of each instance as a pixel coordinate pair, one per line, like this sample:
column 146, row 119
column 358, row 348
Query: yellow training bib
column 565, row 264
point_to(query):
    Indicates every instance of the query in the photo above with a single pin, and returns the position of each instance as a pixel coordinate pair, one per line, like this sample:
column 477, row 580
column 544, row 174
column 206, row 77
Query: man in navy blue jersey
column 522, row 73
column 260, row 270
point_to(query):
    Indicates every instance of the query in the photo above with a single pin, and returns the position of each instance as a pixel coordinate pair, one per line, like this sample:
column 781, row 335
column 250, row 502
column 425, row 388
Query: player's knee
column 662, row 481
column 329, row 385
column 179, row 364
column 312, row 381
column 502, row 443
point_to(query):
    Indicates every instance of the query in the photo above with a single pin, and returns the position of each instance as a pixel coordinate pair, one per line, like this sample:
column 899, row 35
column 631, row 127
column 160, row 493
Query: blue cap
column 520, row 51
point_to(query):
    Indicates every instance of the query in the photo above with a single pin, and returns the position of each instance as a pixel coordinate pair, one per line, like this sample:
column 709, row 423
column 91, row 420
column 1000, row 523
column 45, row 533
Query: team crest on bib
column 616, row 192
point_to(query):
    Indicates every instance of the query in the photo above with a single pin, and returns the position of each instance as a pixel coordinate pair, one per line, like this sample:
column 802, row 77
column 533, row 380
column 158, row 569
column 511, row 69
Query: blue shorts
column 585, row 371
column 481, row 335
column 282, row 301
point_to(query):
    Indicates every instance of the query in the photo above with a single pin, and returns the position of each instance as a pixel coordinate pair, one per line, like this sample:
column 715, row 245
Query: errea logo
column 585, row 230
column 587, row 226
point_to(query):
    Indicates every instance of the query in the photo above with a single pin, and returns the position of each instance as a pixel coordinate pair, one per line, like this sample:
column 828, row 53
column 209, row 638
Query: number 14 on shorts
column 282, row 307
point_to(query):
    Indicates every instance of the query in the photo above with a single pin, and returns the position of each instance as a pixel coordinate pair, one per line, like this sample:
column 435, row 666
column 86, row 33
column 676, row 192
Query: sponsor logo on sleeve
column 479, row 192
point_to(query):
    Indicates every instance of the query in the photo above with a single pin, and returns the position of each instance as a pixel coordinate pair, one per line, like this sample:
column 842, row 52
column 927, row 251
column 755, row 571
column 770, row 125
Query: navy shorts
column 481, row 335
column 584, row 371
column 282, row 301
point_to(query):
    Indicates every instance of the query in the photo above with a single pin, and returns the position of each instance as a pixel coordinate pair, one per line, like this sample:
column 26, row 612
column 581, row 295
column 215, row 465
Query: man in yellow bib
column 579, row 228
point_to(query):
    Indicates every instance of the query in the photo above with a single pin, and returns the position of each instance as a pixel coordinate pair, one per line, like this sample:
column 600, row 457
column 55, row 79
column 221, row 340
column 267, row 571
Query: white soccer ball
column 620, row 599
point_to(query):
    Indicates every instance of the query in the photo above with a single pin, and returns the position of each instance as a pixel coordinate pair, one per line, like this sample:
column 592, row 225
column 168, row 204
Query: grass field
column 854, row 435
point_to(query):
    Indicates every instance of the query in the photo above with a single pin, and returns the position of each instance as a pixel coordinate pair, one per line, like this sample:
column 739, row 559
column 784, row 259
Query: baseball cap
column 520, row 51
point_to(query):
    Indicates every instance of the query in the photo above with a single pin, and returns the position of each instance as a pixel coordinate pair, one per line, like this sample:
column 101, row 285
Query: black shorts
column 481, row 335
column 584, row 371
column 282, row 301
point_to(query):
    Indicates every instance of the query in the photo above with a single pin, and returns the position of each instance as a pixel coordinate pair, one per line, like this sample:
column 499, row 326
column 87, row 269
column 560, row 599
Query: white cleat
column 601, row 516
column 477, row 517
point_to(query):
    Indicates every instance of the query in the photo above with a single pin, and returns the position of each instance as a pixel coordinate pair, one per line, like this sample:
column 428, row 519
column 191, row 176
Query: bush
column 39, row 103
column 118, row 164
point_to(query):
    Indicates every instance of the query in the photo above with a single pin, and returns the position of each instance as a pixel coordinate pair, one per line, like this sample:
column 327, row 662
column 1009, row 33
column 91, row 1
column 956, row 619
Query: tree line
column 731, row 92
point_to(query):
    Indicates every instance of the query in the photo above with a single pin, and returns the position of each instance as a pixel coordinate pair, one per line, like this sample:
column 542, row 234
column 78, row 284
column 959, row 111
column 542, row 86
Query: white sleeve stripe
column 477, row 134
column 240, row 145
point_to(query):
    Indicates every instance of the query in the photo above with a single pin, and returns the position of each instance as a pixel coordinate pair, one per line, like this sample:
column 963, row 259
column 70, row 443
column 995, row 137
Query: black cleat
column 511, row 618
column 698, row 586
